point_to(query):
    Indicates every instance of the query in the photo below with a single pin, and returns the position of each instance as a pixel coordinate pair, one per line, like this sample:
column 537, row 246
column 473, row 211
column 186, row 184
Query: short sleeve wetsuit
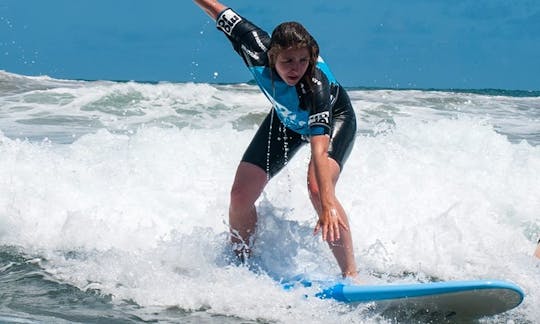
column 323, row 108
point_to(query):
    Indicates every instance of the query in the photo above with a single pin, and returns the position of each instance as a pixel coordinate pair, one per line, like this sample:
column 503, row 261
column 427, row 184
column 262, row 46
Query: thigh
column 343, row 131
column 249, row 182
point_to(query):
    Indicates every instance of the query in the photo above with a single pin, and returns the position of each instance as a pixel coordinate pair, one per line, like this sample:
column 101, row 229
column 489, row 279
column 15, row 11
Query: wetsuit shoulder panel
column 318, row 98
column 248, row 40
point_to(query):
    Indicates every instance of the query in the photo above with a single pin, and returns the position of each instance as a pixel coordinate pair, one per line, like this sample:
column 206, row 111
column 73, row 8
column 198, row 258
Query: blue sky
column 380, row 43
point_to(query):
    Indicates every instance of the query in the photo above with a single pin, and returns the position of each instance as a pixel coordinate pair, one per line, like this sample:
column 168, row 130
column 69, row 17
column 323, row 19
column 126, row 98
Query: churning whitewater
column 114, row 201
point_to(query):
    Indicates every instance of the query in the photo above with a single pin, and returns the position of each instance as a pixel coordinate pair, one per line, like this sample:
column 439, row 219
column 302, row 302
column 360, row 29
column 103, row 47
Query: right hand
column 211, row 7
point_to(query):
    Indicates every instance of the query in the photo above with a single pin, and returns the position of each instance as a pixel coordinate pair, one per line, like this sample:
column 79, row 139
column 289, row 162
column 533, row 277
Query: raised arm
column 212, row 7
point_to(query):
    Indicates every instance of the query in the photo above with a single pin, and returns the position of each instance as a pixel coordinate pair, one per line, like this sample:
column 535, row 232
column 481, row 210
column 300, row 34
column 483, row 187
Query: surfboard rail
column 471, row 299
column 359, row 293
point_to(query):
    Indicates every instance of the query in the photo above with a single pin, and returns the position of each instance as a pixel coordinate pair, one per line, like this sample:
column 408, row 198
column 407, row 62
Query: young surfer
column 309, row 106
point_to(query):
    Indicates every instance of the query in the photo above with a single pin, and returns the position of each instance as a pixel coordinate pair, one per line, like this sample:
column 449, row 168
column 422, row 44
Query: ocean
column 114, row 200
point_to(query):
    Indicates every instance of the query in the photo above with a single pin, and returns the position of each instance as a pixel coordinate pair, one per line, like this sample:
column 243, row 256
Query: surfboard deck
column 448, row 300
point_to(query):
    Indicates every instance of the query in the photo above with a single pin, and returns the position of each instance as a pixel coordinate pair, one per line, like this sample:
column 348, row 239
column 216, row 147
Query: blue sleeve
column 318, row 130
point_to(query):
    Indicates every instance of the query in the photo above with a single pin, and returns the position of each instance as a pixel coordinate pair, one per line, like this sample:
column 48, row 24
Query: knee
column 241, row 197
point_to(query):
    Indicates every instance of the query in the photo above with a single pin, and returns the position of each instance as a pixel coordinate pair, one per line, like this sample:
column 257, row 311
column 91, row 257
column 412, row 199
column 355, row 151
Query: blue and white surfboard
column 450, row 299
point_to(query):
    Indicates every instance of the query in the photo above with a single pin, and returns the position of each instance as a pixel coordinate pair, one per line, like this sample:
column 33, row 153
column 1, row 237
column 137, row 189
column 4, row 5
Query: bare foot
column 352, row 277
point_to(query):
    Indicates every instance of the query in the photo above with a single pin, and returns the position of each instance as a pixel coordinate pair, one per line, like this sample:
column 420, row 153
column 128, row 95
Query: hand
column 329, row 224
column 211, row 7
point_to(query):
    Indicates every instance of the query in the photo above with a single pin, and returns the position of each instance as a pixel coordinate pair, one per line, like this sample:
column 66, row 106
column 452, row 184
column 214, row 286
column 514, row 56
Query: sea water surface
column 114, row 199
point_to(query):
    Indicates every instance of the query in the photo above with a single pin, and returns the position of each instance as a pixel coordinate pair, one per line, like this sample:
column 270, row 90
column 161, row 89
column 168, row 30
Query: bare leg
column 248, row 185
column 537, row 251
column 343, row 248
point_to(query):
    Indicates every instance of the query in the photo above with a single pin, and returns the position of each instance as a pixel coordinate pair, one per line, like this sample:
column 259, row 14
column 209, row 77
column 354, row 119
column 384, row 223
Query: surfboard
column 448, row 300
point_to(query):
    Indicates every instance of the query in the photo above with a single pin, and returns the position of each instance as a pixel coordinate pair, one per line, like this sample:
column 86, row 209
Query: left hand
column 329, row 224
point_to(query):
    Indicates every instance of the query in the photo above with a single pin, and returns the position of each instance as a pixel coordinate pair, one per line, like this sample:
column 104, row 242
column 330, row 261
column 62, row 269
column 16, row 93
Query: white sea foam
column 141, row 214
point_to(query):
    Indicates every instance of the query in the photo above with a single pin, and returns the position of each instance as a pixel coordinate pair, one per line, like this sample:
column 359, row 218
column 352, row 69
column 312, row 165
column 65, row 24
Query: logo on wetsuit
column 321, row 118
column 228, row 20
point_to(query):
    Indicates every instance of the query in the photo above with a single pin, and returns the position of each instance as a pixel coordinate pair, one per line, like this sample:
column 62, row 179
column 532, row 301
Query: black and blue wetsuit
column 322, row 108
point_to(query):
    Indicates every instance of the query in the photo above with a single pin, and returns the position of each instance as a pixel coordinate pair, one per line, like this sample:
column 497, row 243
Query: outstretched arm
column 212, row 7
column 330, row 216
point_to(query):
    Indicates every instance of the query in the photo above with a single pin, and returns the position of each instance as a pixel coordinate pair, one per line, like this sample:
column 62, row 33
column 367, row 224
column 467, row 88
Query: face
column 292, row 64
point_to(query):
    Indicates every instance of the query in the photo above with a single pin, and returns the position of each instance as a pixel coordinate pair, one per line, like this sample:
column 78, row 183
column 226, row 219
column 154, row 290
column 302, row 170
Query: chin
column 292, row 83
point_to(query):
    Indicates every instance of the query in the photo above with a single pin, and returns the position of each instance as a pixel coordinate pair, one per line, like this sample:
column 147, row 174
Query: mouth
column 293, row 78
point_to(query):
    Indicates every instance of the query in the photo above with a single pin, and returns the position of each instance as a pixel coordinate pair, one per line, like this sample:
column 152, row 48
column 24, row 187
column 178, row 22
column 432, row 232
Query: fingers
column 330, row 231
column 317, row 228
column 335, row 232
column 330, row 226
column 343, row 224
column 324, row 229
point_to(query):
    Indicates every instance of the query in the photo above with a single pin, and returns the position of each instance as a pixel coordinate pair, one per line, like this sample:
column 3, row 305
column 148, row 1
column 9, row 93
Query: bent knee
column 243, row 197
column 238, row 196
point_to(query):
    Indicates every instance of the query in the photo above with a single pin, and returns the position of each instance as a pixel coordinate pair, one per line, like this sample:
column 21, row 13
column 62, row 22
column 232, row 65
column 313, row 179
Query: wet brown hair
column 293, row 35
